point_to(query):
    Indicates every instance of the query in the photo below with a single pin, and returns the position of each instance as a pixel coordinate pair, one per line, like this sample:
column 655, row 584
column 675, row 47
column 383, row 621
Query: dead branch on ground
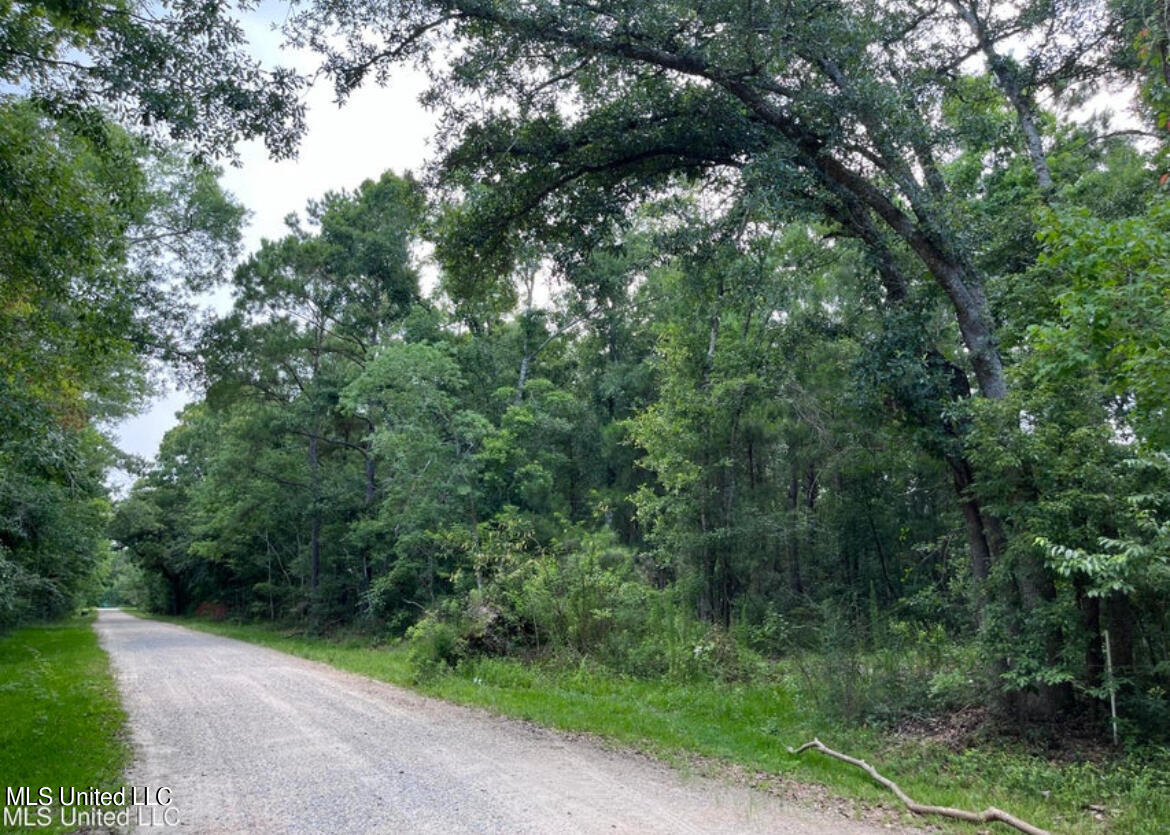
column 986, row 816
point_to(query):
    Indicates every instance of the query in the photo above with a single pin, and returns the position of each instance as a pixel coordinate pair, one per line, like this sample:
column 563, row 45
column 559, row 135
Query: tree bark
column 1036, row 587
column 523, row 377
column 1090, row 608
column 178, row 594
column 979, row 543
column 1121, row 617
column 1007, row 77
column 707, row 570
column 795, row 581
column 371, row 493
column 314, row 515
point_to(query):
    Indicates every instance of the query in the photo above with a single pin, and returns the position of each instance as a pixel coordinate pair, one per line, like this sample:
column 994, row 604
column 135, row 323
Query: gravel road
column 248, row 739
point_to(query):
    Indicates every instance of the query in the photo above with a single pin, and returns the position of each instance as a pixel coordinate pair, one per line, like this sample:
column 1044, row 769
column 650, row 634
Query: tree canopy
column 178, row 71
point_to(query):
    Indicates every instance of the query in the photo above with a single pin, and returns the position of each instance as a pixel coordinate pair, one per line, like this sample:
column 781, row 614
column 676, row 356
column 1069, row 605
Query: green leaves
column 405, row 385
column 178, row 72
column 1114, row 310
column 93, row 280
column 1136, row 561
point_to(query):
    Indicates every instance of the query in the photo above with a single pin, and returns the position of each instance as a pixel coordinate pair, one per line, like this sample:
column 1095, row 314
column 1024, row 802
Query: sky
column 378, row 128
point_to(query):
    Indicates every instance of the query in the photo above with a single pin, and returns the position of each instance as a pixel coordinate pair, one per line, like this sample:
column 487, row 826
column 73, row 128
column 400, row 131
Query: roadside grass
column 61, row 720
column 708, row 726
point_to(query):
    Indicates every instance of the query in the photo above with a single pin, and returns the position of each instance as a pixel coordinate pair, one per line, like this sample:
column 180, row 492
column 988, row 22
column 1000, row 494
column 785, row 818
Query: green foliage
column 312, row 310
column 1137, row 560
column 802, row 343
column 123, row 582
column 434, row 646
column 1112, row 310
column 180, row 73
column 583, row 600
column 654, row 497
column 904, row 670
column 830, row 295
column 93, row 288
column 1077, row 455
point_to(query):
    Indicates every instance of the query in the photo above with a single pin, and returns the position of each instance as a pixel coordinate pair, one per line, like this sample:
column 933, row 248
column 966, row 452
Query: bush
column 434, row 646
column 25, row 596
column 586, row 599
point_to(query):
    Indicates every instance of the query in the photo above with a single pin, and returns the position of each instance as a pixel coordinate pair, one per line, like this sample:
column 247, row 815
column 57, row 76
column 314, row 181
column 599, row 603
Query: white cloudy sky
column 377, row 129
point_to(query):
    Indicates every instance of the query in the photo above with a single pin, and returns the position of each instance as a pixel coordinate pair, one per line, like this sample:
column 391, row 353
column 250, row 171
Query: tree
column 829, row 107
column 179, row 72
column 89, row 296
column 429, row 492
column 310, row 312
column 1079, row 452
column 104, row 229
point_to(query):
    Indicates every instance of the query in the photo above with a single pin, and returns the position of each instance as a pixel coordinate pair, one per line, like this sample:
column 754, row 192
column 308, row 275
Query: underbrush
column 585, row 603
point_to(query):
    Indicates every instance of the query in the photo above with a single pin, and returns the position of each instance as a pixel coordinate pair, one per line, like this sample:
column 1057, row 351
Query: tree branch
column 986, row 816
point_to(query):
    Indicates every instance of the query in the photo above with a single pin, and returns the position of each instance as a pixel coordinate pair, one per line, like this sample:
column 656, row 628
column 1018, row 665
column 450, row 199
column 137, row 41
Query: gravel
column 248, row 739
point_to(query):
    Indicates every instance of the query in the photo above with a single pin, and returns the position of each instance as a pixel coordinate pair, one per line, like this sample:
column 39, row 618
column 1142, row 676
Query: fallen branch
column 987, row 815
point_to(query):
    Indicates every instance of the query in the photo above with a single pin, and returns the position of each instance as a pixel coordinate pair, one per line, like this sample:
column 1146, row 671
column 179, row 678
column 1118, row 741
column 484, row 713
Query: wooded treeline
column 749, row 328
column 109, row 221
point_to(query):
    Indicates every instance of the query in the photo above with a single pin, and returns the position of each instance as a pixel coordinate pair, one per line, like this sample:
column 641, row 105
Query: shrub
column 434, row 646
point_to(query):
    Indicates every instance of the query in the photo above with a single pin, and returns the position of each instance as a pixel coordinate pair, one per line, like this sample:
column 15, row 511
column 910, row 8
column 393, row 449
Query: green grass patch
column 62, row 720
column 750, row 725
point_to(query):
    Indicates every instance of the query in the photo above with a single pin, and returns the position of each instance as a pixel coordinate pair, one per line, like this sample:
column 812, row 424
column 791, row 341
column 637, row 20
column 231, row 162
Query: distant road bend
column 252, row 740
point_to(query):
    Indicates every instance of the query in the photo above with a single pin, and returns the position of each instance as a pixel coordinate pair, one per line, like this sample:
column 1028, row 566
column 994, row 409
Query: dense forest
column 715, row 333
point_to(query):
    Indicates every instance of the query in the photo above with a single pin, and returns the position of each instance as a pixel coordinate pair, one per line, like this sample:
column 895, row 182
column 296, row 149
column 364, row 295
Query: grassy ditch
column 744, row 728
column 62, row 721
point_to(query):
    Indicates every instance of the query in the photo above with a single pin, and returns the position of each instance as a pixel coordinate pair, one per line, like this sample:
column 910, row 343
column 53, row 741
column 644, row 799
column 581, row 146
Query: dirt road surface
column 250, row 740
